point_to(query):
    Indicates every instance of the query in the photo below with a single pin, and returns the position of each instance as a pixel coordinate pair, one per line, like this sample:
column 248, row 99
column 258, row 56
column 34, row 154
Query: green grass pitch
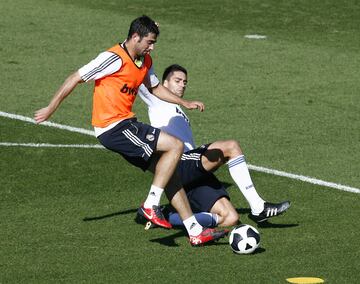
column 292, row 100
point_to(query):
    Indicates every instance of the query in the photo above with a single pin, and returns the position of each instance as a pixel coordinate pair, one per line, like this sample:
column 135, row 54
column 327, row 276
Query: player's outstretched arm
column 164, row 94
column 66, row 88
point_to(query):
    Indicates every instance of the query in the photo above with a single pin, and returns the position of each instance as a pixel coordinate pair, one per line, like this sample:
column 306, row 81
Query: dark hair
column 143, row 26
column 171, row 69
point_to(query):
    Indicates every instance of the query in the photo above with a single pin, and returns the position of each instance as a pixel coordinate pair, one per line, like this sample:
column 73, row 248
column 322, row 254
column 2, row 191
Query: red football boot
column 155, row 216
column 207, row 235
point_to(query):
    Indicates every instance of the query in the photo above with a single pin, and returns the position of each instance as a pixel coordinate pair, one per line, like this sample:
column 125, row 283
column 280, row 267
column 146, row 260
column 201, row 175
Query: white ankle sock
column 192, row 226
column 240, row 174
column 153, row 197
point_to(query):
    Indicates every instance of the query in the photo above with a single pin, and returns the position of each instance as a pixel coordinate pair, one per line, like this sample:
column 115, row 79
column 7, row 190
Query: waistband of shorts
column 127, row 121
column 121, row 124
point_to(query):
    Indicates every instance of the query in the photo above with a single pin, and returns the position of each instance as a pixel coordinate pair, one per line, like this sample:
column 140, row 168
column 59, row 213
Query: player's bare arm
column 164, row 94
column 66, row 88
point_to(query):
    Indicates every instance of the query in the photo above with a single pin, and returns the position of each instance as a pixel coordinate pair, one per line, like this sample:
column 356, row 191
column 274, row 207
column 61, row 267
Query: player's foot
column 155, row 216
column 271, row 210
column 207, row 235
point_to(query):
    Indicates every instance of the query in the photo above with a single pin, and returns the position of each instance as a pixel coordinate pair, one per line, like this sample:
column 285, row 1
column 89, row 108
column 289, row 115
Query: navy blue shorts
column 204, row 193
column 202, row 187
column 190, row 166
column 134, row 140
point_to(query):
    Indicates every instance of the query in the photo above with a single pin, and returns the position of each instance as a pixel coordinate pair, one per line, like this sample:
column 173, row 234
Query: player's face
column 176, row 83
column 145, row 45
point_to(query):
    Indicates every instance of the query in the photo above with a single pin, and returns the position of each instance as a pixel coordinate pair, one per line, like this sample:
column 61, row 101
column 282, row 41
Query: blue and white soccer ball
column 244, row 239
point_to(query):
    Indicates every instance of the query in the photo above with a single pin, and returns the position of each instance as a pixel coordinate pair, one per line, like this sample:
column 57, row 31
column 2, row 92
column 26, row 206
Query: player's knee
column 233, row 148
column 169, row 143
column 230, row 218
column 177, row 146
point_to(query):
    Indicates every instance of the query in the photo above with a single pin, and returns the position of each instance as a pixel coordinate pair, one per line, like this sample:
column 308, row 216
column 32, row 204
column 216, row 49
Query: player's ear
column 135, row 37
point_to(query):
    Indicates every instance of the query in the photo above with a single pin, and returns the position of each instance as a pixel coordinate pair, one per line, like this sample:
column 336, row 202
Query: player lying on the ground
column 205, row 192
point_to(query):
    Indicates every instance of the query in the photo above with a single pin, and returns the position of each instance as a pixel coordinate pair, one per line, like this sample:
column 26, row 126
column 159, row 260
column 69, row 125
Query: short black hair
column 171, row 69
column 143, row 26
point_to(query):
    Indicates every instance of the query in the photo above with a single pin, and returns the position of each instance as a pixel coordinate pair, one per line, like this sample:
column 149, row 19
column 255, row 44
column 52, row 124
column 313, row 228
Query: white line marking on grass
column 252, row 167
column 305, row 179
column 255, row 36
column 46, row 145
column 47, row 123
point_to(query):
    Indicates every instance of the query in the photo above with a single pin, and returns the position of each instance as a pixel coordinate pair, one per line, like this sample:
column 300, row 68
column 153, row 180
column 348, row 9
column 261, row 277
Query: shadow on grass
column 170, row 240
column 243, row 211
column 257, row 251
column 124, row 212
column 226, row 184
column 267, row 224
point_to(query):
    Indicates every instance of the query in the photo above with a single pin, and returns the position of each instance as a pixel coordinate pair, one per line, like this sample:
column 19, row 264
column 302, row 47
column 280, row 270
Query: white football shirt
column 168, row 117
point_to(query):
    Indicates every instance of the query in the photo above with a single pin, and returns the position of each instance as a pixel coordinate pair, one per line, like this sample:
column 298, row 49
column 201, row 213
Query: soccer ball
column 244, row 239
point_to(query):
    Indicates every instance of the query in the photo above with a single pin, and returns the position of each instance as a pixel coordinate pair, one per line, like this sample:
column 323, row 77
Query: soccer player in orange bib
column 118, row 73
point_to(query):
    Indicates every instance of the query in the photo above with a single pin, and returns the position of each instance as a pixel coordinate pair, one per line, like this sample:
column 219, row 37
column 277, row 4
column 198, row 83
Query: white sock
column 153, row 197
column 240, row 174
column 192, row 226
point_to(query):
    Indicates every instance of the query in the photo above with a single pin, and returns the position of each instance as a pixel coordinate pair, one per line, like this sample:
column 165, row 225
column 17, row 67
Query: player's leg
column 163, row 164
column 137, row 142
column 205, row 219
column 170, row 150
column 228, row 215
column 220, row 152
column 229, row 151
column 197, row 233
column 221, row 214
column 196, row 193
column 178, row 199
column 208, row 197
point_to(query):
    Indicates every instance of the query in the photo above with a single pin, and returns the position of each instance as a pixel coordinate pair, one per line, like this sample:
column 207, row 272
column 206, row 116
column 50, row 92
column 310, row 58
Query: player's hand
column 194, row 105
column 43, row 114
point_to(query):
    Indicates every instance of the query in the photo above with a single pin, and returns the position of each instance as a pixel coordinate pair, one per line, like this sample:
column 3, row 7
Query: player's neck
column 130, row 50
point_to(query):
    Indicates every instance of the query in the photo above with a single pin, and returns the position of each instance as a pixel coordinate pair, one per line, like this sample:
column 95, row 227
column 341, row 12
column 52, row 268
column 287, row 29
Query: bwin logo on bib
column 127, row 90
column 150, row 137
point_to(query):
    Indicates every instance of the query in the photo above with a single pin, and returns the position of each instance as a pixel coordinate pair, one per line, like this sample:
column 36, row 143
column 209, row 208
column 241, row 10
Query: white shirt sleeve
column 106, row 63
column 151, row 80
column 149, row 99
